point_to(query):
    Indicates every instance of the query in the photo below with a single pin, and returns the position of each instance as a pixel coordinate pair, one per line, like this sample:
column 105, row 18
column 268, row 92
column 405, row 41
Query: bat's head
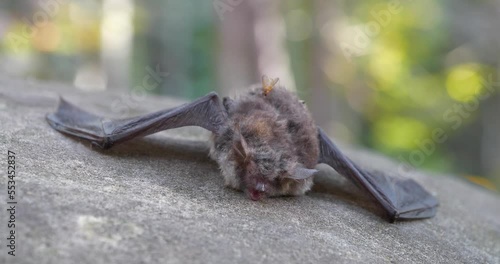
column 266, row 165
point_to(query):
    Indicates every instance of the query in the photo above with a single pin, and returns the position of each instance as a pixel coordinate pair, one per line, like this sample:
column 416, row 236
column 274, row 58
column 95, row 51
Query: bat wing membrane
column 206, row 112
column 400, row 198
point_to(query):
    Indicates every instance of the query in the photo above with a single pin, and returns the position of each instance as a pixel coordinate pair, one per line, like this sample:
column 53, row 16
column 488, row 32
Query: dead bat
column 265, row 142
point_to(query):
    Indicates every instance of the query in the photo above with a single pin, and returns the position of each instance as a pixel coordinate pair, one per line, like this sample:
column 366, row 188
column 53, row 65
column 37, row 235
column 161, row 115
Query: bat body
column 269, row 146
column 265, row 142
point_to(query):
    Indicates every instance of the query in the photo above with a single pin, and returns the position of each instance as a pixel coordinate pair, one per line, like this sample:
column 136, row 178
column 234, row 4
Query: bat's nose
column 256, row 195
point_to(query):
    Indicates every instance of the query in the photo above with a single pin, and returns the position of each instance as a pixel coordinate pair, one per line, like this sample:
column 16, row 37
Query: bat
column 265, row 143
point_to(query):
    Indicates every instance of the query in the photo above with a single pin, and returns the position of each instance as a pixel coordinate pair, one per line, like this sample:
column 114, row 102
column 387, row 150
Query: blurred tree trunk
column 270, row 37
column 327, row 106
column 116, row 39
column 237, row 60
column 490, row 158
column 490, row 140
column 476, row 149
column 173, row 40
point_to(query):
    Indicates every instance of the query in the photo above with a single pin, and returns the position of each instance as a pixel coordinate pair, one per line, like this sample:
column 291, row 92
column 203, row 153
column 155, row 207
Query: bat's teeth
column 260, row 187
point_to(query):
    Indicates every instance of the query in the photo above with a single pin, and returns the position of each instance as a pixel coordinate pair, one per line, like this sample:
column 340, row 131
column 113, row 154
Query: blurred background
column 415, row 80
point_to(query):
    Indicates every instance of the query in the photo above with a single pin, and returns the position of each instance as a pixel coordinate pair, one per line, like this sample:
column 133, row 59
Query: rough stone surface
column 161, row 200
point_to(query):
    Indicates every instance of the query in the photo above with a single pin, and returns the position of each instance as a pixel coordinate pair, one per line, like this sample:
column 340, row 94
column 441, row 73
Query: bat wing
column 206, row 112
column 400, row 198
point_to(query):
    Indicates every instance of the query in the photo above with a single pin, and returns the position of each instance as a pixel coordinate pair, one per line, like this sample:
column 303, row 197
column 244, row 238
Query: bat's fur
column 268, row 137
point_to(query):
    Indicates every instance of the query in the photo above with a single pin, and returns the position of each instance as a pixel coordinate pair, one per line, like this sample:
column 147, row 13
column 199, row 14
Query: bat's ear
column 241, row 148
column 301, row 173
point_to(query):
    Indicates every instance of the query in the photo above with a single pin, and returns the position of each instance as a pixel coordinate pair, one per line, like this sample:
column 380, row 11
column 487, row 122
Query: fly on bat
column 268, row 84
column 265, row 142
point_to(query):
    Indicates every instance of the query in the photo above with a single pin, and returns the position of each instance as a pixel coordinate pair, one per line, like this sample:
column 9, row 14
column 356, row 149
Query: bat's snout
column 256, row 195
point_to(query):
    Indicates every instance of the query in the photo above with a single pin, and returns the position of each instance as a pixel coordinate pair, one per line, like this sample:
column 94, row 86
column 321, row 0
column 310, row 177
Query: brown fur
column 267, row 138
